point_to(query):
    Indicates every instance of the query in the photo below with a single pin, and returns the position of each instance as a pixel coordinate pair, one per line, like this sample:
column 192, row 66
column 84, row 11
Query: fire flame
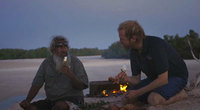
column 104, row 92
column 122, row 90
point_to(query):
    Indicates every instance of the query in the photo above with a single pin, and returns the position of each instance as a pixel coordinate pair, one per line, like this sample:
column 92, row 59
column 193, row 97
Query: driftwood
column 191, row 50
column 195, row 81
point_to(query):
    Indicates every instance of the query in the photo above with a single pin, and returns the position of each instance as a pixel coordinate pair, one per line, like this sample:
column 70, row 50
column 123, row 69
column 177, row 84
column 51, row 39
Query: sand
column 16, row 75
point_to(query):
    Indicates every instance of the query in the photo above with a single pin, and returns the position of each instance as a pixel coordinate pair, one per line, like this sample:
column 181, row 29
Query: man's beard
column 58, row 61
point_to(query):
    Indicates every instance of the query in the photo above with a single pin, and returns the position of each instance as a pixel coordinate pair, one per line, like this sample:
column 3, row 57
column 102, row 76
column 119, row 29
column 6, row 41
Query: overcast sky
column 30, row 24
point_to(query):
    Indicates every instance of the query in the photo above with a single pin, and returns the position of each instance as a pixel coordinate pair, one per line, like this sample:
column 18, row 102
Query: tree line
column 43, row 53
column 180, row 44
column 115, row 50
column 22, row 54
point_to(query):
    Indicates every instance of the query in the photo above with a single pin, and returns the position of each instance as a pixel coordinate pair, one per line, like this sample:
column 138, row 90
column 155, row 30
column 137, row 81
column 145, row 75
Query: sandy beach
column 16, row 75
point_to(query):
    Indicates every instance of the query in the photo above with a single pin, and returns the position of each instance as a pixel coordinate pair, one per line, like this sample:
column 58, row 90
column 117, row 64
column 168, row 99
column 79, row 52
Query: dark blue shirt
column 157, row 57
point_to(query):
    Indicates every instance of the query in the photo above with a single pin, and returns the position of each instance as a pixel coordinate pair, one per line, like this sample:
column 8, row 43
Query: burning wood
column 106, row 88
column 123, row 89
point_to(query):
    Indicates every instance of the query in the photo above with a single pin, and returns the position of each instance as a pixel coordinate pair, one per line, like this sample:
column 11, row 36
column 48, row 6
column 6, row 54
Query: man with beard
column 64, row 81
column 166, row 71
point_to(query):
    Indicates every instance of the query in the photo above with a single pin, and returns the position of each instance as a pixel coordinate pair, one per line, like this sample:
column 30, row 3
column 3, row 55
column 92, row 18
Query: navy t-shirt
column 157, row 57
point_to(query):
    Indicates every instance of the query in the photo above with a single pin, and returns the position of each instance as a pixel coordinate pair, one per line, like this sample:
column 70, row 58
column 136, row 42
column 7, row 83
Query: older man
column 64, row 81
column 165, row 70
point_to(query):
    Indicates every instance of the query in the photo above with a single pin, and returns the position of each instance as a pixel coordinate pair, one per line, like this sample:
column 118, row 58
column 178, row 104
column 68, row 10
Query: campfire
column 122, row 89
column 106, row 88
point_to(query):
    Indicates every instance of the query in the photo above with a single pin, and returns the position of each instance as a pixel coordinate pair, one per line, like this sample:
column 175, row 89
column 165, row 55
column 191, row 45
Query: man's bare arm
column 31, row 94
column 123, row 78
column 160, row 81
column 75, row 81
column 134, row 80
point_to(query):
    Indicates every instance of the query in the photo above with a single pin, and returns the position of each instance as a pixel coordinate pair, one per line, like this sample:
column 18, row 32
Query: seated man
column 64, row 81
column 166, row 71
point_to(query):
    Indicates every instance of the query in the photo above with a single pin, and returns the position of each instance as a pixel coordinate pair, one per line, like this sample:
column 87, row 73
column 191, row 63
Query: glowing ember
column 104, row 92
column 114, row 92
column 123, row 89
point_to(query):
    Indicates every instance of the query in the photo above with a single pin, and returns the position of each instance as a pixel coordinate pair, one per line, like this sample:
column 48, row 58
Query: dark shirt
column 58, row 85
column 157, row 57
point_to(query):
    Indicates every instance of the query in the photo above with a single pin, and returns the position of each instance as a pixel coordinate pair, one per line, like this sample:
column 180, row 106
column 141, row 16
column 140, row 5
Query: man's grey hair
column 55, row 41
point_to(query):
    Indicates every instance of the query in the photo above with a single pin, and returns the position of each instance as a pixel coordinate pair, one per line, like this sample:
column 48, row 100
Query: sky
column 30, row 24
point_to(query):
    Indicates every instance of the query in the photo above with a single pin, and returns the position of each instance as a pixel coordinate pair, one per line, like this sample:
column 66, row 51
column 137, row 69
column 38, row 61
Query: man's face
column 124, row 40
column 61, row 50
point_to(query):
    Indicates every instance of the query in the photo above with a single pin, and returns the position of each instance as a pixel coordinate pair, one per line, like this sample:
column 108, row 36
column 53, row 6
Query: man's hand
column 24, row 104
column 66, row 70
column 77, row 83
column 120, row 78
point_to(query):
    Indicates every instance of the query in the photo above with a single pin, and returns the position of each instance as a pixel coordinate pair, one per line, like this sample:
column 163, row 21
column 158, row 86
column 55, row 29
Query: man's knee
column 155, row 99
column 61, row 105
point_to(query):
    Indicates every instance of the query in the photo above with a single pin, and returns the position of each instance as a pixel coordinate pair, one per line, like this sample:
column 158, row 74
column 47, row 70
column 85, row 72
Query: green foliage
column 37, row 53
column 43, row 53
column 11, row 53
column 181, row 45
column 21, row 54
column 85, row 51
column 116, row 50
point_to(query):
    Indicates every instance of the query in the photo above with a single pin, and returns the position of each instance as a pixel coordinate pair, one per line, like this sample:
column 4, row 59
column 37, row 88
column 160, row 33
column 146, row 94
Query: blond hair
column 132, row 28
